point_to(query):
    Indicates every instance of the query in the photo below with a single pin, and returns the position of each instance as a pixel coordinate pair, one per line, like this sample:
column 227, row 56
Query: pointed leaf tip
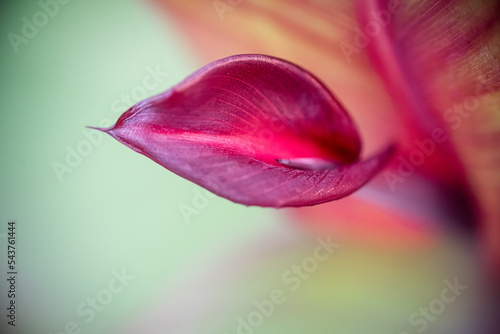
column 99, row 128
column 229, row 125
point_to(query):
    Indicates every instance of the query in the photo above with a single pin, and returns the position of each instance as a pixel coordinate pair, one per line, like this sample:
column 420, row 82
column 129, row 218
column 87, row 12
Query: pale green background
column 117, row 209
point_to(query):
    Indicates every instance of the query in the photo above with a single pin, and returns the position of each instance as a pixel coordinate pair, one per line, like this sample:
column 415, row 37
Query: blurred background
column 109, row 242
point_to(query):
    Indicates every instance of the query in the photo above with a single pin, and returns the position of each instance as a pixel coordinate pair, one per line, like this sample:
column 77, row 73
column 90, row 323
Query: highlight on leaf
column 254, row 129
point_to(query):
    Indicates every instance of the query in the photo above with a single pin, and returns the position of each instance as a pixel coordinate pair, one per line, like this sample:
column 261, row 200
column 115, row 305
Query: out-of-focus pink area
column 237, row 125
column 383, row 228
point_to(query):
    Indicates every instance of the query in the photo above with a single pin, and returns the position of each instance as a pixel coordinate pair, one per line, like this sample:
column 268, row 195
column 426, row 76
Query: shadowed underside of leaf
column 254, row 129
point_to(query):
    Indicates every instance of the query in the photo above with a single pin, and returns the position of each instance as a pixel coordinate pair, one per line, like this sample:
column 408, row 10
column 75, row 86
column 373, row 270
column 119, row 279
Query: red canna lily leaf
column 254, row 129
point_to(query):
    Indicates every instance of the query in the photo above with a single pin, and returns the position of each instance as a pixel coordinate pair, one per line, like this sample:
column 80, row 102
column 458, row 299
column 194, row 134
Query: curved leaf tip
column 254, row 129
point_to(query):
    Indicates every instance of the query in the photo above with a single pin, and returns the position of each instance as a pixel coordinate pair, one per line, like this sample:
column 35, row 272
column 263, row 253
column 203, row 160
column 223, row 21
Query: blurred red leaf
column 254, row 129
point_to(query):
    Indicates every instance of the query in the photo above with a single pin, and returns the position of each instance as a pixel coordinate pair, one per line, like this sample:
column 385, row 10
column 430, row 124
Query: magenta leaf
column 253, row 129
